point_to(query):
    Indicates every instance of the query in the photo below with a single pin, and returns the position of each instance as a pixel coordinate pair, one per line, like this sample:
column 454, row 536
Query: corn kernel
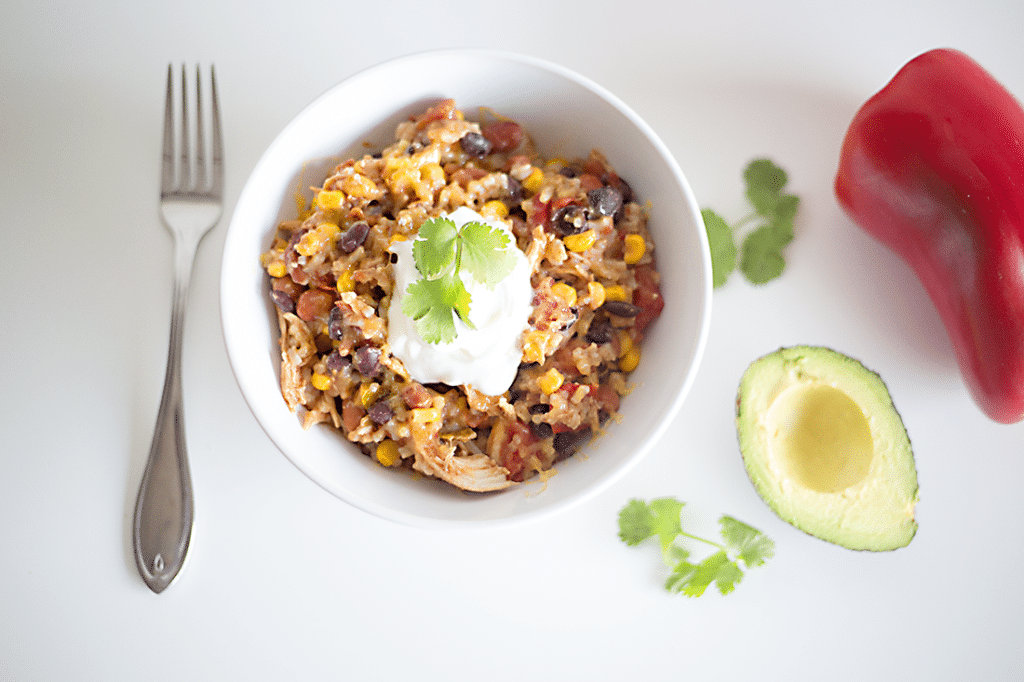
column 277, row 269
column 630, row 360
column 635, row 248
column 360, row 186
column 625, row 343
column 580, row 242
column 345, row 282
column 432, row 173
column 329, row 198
column 422, row 415
column 550, row 381
column 494, row 209
column 533, row 347
column 616, row 293
column 387, row 453
column 321, row 382
column 368, row 394
column 564, row 292
column 317, row 238
column 534, row 180
column 597, row 294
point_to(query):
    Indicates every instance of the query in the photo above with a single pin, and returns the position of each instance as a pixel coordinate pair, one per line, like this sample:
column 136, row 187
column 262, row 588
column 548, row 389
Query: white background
column 286, row 582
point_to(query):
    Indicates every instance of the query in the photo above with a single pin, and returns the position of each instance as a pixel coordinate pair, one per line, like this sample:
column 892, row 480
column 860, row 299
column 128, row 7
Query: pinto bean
column 504, row 136
column 314, row 304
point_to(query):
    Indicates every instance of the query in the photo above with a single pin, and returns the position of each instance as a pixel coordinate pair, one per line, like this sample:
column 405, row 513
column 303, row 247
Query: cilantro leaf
column 693, row 579
column 431, row 302
column 640, row 520
column 723, row 248
column 485, row 253
column 751, row 545
column 764, row 181
column 434, row 250
column 760, row 257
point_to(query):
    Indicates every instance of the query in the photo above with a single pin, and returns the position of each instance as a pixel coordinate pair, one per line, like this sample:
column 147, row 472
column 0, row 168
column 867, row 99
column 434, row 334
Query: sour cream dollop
column 488, row 357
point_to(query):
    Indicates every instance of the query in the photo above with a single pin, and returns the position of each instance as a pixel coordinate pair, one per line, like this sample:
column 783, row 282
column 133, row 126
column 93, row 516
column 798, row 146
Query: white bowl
column 567, row 116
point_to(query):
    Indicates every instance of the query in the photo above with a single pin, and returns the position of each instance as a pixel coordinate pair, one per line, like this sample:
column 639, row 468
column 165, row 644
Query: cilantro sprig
column 442, row 251
column 760, row 258
column 661, row 518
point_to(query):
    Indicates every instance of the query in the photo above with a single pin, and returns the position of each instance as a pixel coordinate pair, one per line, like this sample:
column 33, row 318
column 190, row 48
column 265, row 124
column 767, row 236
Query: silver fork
column 190, row 205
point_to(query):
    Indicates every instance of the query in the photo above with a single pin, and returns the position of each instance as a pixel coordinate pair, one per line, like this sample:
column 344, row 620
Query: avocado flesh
column 826, row 449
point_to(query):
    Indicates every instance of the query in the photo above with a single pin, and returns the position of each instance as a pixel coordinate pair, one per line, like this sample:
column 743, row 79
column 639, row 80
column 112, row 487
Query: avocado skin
column 875, row 513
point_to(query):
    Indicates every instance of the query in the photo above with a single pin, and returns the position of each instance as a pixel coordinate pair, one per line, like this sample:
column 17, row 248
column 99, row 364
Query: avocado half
column 826, row 449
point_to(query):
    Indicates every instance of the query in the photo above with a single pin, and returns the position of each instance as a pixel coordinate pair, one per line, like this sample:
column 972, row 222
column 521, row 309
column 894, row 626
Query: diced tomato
column 606, row 397
column 440, row 111
column 519, row 438
column 540, row 213
column 647, row 295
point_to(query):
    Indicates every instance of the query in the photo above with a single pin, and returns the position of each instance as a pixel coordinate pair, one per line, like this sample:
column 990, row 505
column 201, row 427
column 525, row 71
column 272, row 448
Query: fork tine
column 218, row 143
column 200, row 138
column 167, row 167
column 184, row 170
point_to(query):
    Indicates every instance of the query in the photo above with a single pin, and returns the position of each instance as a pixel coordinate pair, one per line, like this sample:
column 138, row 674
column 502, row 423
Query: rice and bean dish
column 595, row 291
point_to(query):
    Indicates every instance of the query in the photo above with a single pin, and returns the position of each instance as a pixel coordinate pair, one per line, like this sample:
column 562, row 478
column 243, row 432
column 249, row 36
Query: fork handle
column 164, row 510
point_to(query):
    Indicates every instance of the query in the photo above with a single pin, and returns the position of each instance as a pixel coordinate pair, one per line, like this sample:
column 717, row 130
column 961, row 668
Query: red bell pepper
column 933, row 167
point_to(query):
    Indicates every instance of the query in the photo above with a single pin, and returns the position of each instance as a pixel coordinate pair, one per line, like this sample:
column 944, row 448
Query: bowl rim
column 671, row 411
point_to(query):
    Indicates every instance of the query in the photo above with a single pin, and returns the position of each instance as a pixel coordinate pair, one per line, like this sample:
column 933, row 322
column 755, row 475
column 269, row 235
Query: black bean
column 621, row 308
column 600, row 332
column 605, row 200
column 380, row 412
column 514, row 394
column 377, row 292
column 336, row 362
column 354, row 236
column 568, row 442
column 541, row 429
column 540, row 408
column 624, row 189
column 568, row 171
column 283, row 301
column 515, row 191
column 335, row 325
column 393, row 258
column 475, row 144
column 439, row 387
column 367, row 360
column 569, row 220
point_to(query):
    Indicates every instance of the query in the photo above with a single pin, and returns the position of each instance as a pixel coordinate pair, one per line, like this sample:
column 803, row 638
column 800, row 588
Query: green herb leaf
column 639, row 521
column 760, row 259
column 751, row 545
column 764, row 181
column 431, row 303
column 434, row 250
column 723, row 248
column 441, row 252
column 485, row 253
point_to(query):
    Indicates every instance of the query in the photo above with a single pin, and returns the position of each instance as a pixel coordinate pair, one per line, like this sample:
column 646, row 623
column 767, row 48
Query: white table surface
column 286, row 582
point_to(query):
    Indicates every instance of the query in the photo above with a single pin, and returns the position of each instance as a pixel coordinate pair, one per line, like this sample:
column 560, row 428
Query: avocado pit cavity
column 820, row 438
